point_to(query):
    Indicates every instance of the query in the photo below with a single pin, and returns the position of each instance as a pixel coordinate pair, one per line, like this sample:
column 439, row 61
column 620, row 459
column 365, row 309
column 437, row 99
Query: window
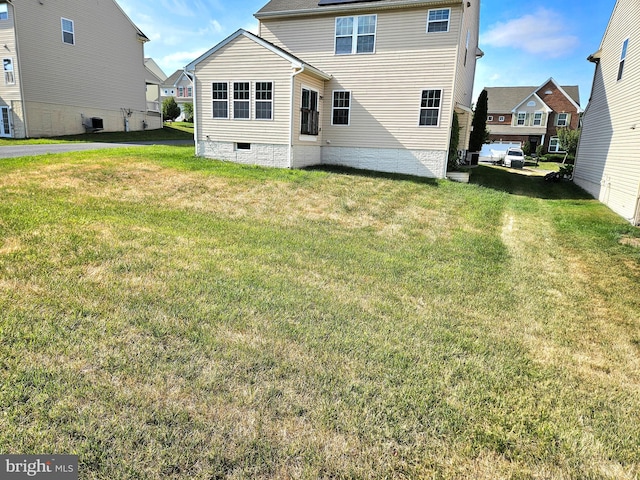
column 438, row 20
column 341, row 107
column 189, row 91
column 355, row 34
column 562, row 120
column 220, row 97
column 490, row 118
column 466, row 48
column 310, row 116
column 4, row 12
column 537, row 119
column 264, row 100
column 9, row 79
column 623, row 56
column 241, row 99
column 430, row 108
column 520, row 119
column 68, row 35
column 181, row 91
column 554, row 145
column 243, row 146
column 501, row 118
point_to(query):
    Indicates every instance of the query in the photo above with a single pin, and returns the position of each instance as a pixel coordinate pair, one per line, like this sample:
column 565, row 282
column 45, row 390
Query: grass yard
column 171, row 317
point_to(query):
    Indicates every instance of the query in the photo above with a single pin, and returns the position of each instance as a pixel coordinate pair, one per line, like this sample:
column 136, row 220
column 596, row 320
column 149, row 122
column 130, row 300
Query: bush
column 188, row 112
column 170, row 109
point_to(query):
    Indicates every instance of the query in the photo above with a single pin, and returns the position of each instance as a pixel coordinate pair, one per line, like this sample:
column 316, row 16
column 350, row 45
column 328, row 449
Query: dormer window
column 355, row 34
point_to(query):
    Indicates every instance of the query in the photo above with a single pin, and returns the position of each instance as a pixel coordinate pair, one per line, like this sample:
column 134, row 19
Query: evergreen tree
column 170, row 109
column 479, row 132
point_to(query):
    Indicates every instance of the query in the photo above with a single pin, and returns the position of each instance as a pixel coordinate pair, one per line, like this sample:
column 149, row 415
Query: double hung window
column 220, row 100
column 4, row 11
column 430, row 108
column 241, row 97
column 7, row 65
column 438, row 20
column 341, row 107
column 264, row 101
column 309, row 115
column 562, row 120
column 623, row 57
column 68, row 32
column 355, row 34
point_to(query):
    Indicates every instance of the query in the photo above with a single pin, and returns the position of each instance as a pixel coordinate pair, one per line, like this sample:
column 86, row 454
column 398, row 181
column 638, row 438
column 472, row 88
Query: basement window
column 243, row 146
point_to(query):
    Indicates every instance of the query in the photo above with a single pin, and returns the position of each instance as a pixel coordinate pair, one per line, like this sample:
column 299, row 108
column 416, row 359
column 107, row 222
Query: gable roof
column 277, row 8
column 295, row 61
column 173, row 78
column 141, row 35
column 506, row 99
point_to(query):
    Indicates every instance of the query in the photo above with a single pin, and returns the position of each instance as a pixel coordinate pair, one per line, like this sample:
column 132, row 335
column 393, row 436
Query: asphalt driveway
column 33, row 150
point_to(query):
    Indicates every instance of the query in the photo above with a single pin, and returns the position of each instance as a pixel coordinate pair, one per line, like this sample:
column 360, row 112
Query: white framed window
column 68, row 31
column 521, row 119
column 341, row 107
column 181, row 91
column 220, row 95
column 9, row 78
column 241, row 100
column 189, row 91
column 430, row 104
column 355, row 34
column 623, row 56
column 537, row 119
column 309, row 115
column 438, row 20
column 501, row 118
column 562, row 120
column 554, row 145
column 490, row 118
column 264, row 101
column 4, row 11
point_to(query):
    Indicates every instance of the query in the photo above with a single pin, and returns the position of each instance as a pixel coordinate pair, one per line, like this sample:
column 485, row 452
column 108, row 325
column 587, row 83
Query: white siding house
column 66, row 62
column 607, row 164
column 370, row 85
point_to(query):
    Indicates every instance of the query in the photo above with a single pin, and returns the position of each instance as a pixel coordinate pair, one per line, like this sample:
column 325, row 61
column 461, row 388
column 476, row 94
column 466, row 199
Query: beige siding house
column 607, row 160
column 370, row 85
column 69, row 66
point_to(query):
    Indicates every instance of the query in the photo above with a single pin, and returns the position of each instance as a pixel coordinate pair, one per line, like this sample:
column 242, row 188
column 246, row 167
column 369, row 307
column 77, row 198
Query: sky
column 525, row 42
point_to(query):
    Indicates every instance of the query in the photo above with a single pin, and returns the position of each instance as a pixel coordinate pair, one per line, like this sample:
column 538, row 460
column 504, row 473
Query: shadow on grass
column 373, row 174
column 516, row 183
column 162, row 134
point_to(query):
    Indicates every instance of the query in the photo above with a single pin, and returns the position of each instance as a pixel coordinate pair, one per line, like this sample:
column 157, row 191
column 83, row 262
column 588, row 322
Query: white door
column 5, row 124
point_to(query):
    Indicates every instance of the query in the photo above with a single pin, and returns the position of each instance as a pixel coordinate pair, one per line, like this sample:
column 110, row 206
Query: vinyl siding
column 606, row 164
column 9, row 93
column 465, row 73
column 385, row 86
column 104, row 70
column 244, row 60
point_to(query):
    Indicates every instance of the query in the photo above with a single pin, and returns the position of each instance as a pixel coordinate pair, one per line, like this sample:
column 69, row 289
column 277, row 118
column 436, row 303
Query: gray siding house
column 71, row 66
column 607, row 163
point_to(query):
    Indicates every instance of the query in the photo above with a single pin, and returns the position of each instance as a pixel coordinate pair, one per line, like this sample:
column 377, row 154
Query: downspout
column 292, row 100
column 24, row 105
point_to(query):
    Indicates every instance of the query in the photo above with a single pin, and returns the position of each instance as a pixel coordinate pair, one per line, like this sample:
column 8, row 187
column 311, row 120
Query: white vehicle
column 514, row 157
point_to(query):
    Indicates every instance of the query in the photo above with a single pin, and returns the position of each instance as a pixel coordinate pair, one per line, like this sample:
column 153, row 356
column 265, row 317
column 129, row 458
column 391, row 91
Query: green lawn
column 171, row 317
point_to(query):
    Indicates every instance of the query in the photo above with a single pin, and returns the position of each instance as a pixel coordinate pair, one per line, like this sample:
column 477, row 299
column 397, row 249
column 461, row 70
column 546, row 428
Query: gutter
column 195, row 110
column 299, row 70
column 351, row 7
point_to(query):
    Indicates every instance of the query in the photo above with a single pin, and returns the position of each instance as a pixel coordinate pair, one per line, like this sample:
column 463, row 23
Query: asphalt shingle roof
column 505, row 99
column 276, row 6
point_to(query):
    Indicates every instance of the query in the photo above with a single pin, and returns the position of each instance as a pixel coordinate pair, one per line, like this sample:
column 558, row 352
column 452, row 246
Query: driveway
column 33, row 150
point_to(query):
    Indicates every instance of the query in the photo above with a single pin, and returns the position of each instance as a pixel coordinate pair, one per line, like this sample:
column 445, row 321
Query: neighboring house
column 364, row 84
column 179, row 86
column 154, row 79
column 69, row 66
column 532, row 114
column 607, row 160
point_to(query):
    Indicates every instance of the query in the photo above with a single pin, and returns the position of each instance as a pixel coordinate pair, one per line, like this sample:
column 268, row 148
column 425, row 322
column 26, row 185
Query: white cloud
column 541, row 33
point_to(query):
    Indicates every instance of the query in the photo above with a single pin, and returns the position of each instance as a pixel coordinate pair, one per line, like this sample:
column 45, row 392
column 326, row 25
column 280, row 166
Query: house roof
column 151, row 78
column 303, row 7
column 141, row 35
column 295, row 61
column 505, row 99
column 173, row 78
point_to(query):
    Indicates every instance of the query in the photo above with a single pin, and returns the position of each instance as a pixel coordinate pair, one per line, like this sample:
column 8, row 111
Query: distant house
column 532, row 114
column 607, row 164
column 364, row 84
column 179, row 86
column 71, row 66
column 154, row 79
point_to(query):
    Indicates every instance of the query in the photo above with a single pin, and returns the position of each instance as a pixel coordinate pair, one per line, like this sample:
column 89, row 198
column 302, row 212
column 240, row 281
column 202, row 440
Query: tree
column 479, row 134
column 454, row 140
column 187, row 108
column 170, row 109
column 568, row 141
